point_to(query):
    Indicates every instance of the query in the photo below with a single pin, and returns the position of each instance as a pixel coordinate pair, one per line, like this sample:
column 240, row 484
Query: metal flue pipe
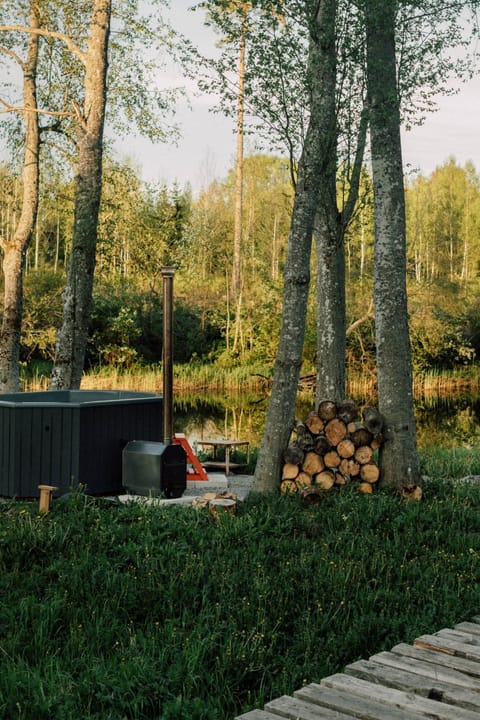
column 167, row 275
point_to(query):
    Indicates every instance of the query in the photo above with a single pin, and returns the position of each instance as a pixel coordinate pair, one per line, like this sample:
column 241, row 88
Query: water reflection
column 442, row 422
column 449, row 422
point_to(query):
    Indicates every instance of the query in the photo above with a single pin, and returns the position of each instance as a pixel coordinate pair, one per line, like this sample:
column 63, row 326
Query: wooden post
column 45, row 497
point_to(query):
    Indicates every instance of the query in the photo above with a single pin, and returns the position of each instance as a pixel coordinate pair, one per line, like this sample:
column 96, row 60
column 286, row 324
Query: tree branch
column 369, row 315
column 72, row 46
column 21, row 109
column 12, row 54
column 357, row 169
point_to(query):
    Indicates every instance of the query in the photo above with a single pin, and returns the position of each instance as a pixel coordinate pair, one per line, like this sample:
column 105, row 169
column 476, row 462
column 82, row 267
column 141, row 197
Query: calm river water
column 441, row 422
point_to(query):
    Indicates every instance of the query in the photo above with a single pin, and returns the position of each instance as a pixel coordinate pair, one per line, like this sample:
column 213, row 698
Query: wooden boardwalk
column 438, row 677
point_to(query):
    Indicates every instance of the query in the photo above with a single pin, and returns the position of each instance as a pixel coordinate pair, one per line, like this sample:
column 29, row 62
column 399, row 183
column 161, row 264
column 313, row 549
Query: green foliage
column 126, row 328
column 438, row 327
column 41, row 314
column 144, row 227
column 135, row 611
column 449, row 462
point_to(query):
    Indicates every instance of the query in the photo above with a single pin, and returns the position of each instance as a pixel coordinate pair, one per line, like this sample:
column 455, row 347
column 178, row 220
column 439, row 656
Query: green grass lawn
column 111, row 611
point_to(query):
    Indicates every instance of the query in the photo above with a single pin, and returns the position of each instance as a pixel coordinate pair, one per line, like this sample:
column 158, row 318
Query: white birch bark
column 73, row 333
column 398, row 459
column 14, row 248
column 281, row 411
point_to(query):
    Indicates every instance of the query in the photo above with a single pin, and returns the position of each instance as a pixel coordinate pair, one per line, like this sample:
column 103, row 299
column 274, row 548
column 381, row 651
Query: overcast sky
column 206, row 149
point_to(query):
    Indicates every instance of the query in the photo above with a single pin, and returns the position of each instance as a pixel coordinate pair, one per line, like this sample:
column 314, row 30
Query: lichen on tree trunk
column 281, row 410
column 73, row 333
column 14, row 248
column 398, row 458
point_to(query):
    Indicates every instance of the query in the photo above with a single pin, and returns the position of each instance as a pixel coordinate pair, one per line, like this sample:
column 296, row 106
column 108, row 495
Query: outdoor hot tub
column 69, row 438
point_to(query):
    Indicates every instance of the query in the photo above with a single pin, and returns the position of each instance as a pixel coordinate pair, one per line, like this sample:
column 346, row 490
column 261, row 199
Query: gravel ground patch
column 241, row 485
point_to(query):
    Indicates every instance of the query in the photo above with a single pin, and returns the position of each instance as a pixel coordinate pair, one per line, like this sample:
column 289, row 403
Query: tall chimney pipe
column 167, row 274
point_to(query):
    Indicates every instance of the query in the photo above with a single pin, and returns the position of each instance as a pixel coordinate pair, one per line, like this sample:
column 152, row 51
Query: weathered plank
column 438, row 677
column 431, row 669
column 258, row 715
column 470, row 627
column 460, row 636
column 469, row 667
column 296, row 709
column 343, row 701
column 406, row 701
column 448, row 645
column 426, row 687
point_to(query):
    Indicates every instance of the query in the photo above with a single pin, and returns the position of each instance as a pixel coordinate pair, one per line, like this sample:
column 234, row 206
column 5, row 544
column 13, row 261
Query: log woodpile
column 332, row 448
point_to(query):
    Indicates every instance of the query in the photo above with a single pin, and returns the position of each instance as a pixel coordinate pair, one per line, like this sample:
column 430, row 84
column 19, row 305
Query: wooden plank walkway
column 438, row 677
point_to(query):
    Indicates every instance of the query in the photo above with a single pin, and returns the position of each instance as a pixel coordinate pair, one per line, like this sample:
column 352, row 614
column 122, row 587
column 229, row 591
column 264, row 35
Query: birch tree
column 73, row 70
column 314, row 158
column 345, row 130
column 399, row 459
column 15, row 246
column 72, row 335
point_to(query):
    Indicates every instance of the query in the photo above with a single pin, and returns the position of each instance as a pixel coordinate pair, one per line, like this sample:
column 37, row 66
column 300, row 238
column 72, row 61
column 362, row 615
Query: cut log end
column 365, row 488
column 313, row 463
column 289, row 471
column 288, row 487
column 412, row 492
column 220, row 506
column 303, row 480
column 314, row 423
column 311, row 495
column 347, row 410
column 335, row 431
column 349, row 467
column 364, row 454
column 325, row 479
column 294, row 455
column 332, row 459
column 327, row 410
column 370, row 472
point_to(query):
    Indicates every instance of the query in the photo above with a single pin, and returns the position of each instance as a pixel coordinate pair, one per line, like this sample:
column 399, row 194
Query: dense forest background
column 143, row 227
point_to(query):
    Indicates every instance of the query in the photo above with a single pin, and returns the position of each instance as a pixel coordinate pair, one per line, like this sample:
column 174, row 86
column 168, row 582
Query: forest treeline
column 143, row 227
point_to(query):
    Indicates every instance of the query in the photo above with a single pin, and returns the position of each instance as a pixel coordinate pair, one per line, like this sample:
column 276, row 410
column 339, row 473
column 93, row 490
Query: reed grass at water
column 112, row 611
column 208, row 377
column 192, row 378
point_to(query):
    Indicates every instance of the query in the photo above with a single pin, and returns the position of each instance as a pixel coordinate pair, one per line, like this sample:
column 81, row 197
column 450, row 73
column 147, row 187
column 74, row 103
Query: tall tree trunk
column 237, row 220
column 399, row 459
column 314, row 158
column 238, row 206
column 331, row 316
column 73, row 333
column 14, row 249
column 330, row 360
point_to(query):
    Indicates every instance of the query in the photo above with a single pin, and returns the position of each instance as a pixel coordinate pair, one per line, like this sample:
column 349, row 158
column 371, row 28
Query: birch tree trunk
column 331, row 317
column 330, row 360
column 238, row 211
column 14, row 249
column 238, row 204
column 398, row 458
column 313, row 161
column 329, row 233
column 73, row 333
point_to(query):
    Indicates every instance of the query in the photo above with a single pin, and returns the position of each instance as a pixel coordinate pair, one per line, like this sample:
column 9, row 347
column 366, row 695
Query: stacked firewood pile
column 332, row 448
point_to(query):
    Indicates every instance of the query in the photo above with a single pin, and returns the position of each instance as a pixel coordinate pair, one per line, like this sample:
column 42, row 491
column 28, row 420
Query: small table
column 227, row 445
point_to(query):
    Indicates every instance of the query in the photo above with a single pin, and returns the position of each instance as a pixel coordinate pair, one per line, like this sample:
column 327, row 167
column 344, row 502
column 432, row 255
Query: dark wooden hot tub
column 69, row 438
